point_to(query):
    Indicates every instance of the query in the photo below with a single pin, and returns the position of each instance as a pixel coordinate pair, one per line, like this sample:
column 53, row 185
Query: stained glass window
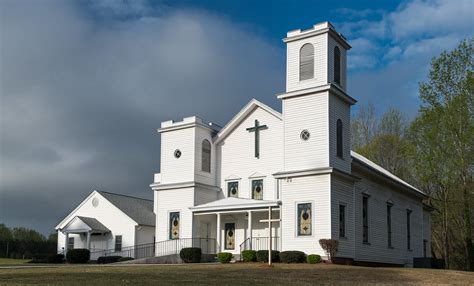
column 257, row 189
column 230, row 236
column 174, row 225
column 233, row 189
column 304, row 219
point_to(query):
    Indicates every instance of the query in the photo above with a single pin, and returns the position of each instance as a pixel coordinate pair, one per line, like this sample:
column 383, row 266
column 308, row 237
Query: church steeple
column 316, row 57
column 316, row 107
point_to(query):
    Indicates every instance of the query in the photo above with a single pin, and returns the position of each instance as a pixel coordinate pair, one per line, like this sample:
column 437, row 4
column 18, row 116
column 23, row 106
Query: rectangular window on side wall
column 389, row 225
column 342, row 221
column 257, row 189
column 409, row 229
column 233, row 189
column 304, row 219
column 118, row 243
column 365, row 219
column 70, row 243
column 174, row 225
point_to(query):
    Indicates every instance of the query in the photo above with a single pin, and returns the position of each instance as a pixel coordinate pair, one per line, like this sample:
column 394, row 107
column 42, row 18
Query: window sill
column 390, row 247
column 342, row 237
column 366, row 243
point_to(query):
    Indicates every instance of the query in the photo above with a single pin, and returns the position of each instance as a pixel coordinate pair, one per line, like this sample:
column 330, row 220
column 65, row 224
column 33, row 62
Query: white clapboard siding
column 342, row 192
column 178, row 170
column 310, row 113
column 339, row 109
column 293, row 81
column 236, row 156
column 377, row 250
column 176, row 200
column 311, row 189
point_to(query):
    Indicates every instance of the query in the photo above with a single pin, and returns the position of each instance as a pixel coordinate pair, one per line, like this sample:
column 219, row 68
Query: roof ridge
column 122, row 195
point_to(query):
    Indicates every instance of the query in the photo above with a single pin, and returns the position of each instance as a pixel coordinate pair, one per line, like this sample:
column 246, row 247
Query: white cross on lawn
column 270, row 220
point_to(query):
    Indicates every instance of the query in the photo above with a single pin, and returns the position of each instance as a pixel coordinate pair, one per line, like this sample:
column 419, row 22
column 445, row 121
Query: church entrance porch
column 239, row 229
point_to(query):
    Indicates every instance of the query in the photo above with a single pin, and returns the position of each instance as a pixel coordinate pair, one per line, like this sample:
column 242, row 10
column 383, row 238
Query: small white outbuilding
column 108, row 223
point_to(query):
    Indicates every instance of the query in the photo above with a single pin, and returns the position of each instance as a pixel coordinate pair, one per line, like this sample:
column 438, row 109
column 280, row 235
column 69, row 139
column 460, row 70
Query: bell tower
column 316, row 107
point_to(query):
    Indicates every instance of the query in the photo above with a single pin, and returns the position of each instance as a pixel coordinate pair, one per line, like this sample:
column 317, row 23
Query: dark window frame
column 339, row 139
column 409, row 229
column 170, row 221
column 298, row 219
column 365, row 219
column 342, row 220
column 337, row 65
column 389, row 225
column 206, row 150
column 118, row 243
column 70, row 243
column 262, row 188
column 229, row 189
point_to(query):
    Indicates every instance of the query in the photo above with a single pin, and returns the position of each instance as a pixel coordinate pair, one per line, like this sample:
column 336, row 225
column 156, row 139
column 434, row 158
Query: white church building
column 219, row 186
column 219, row 183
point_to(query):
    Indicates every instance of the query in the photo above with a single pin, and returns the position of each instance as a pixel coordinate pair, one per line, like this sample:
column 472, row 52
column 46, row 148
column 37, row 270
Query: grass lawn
column 229, row 274
column 11, row 261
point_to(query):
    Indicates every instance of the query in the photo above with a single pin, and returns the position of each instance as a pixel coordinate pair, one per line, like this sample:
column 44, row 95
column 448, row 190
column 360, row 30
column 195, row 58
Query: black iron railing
column 160, row 248
column 259, row 243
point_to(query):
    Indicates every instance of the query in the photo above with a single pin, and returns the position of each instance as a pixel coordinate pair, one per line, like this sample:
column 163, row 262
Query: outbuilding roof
column 138, row 209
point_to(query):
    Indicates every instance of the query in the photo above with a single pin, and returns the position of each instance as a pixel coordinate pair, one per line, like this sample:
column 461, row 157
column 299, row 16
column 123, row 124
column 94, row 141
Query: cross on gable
column 257, row 129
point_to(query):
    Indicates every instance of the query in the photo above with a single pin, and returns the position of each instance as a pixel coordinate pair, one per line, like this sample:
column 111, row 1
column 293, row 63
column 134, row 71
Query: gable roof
column 374, row 167
column 239, row 117
column 138, row 209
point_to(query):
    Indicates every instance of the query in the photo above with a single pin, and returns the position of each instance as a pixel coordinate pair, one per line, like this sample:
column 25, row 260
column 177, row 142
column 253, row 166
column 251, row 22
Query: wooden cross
column 270, row 220
column 257, row 129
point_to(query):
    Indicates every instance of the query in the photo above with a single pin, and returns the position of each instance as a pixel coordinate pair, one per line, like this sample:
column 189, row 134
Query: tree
column 5, row 233
column 25, row 234
column 443, row 135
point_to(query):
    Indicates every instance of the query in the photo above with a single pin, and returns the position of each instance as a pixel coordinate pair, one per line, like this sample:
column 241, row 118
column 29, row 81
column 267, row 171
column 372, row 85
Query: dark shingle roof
column 93, row 223
column 138, row 209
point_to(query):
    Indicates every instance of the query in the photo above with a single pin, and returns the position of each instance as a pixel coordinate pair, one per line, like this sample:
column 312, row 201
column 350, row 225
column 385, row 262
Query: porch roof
column 231, row 203
column 85, row 224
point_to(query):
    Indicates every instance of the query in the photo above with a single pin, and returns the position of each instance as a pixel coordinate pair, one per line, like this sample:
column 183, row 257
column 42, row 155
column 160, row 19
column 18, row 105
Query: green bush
column 125, row 259
column 313, row 259
column 249, row 255
column 78, row 255
column 191, row 254
column 224, row 257
column 108, row 259
column 262, row 256
column 292, row 257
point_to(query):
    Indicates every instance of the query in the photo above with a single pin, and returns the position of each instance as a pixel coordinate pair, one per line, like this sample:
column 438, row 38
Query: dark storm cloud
column 81, row 99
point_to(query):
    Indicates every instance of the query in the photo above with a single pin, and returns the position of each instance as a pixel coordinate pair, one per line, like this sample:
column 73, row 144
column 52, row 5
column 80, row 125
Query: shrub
column 330, row 247
column 55, row 258
column 224, row 257
column 249, row 255
column 292, row 257
column 313, row 259
column 190, row 254
column 121, row 259
column 108, row 259
column 78, row 255
column 262, row 256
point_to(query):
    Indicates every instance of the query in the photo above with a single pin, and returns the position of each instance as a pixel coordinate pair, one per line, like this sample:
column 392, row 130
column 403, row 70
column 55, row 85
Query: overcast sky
column 84, row 85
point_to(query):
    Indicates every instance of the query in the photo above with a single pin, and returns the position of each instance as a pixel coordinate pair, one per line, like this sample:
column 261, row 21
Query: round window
column 177, row 153
column 95, row 202
column 305, row 135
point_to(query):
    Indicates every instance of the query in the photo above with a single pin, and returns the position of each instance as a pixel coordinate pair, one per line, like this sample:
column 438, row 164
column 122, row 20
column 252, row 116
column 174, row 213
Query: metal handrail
column 160, row 248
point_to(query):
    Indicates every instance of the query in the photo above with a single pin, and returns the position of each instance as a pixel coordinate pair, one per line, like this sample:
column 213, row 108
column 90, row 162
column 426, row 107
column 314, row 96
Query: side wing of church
column 222, row 184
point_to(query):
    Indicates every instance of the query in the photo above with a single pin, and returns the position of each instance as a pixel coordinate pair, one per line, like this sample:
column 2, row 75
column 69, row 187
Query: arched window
column 306, row 62
column 337, row 65
column 339, row 138
column 206, row 156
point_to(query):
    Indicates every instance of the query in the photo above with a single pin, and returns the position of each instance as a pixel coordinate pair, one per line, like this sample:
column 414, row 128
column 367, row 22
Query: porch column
column 66, row 242
column 88, row 240
column 218, row 234
column 250, row 228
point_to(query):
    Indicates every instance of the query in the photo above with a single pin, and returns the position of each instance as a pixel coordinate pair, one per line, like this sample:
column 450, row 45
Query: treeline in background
column 24, row 243
column 434, row 151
